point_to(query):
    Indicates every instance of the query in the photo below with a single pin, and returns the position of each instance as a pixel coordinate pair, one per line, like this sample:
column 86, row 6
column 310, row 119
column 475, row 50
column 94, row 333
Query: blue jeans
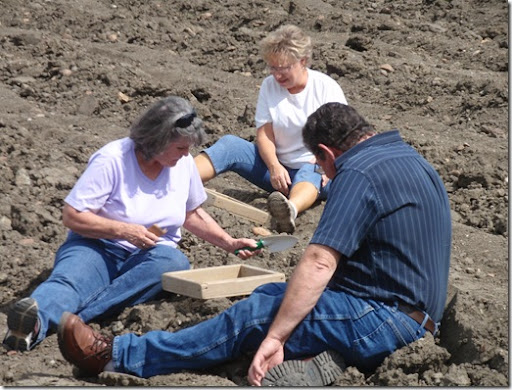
column 231, row 153
column 363, row 331
column 92, row 277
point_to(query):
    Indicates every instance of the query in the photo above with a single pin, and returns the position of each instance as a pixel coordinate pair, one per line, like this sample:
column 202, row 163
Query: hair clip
column 185, row 120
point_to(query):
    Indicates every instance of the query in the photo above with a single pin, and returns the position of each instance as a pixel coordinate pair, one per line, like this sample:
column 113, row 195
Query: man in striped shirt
column 376, row 269
column 372, row 280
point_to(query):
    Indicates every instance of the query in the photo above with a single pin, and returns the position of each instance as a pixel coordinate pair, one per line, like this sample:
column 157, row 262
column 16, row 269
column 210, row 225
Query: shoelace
column 101, row 347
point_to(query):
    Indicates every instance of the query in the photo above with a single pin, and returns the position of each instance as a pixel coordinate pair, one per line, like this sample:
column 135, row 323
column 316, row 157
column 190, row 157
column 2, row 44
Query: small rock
column 117, row 327
column 123, row 98
column 5, row 223
column 66, row 72
column 22, row 178
column 387, row 68
column 261, row 231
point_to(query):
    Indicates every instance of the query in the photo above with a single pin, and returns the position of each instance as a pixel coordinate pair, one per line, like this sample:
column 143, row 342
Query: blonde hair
column 288, row 41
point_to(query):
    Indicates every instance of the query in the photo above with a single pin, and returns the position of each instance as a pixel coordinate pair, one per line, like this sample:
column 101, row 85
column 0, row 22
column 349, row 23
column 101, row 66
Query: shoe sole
column 21, row 321
column 281, row 211
column 322, row 370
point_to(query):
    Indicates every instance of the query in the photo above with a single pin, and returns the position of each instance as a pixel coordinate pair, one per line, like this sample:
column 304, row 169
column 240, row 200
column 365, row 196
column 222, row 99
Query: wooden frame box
column 217, row 282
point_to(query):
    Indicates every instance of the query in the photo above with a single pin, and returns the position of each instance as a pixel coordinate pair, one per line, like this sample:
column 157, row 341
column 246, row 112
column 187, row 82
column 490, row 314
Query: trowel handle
column 259, row 245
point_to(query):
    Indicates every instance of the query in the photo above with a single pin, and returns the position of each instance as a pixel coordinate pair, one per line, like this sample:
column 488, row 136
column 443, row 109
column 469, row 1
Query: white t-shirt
column 288, row 113
column 113, row 186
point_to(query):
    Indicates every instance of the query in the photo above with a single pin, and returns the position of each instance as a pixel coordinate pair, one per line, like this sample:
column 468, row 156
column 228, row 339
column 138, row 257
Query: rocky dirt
column 74, row 74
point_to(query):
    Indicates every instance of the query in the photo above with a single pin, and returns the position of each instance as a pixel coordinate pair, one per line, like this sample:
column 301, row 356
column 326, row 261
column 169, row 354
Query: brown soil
column 74, row 74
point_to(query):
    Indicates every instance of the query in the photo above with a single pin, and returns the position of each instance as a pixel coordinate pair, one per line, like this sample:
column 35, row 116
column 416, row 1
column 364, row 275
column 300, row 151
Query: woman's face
column 287, row 72
column 173, row 152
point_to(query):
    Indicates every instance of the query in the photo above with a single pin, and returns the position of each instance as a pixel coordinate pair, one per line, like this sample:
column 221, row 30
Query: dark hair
column 335, row 125
column 165, row 121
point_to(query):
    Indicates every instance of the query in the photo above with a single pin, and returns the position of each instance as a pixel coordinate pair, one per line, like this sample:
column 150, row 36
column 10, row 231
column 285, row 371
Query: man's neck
column 365, row 137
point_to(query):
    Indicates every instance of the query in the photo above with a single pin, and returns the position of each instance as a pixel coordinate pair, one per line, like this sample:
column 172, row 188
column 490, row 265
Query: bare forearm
column 91, row 225
column 306, row 285
column 200, row 223
column 266, row 146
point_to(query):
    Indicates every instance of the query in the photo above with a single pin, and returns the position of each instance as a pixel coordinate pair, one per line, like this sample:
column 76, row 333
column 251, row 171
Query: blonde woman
column 279, row 162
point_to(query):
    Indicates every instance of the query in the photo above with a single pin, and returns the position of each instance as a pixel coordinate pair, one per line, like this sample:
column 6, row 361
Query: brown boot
column 82, row 346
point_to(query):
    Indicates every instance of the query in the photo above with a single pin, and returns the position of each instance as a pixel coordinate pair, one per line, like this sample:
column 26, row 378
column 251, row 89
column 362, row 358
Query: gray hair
column 164, row 122
column 289, row 41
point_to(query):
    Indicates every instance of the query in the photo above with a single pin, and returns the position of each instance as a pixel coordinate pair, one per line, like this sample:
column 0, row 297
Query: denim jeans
column 363, row 331
column 92, row 277
column 231, row 153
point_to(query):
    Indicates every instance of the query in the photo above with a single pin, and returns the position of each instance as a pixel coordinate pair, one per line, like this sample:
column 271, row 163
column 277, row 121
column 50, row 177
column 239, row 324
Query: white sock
column 109, row 367
column 294, row 210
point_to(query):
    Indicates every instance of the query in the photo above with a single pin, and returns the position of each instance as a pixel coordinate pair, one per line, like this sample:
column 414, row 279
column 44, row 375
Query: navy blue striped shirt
column 388, row 214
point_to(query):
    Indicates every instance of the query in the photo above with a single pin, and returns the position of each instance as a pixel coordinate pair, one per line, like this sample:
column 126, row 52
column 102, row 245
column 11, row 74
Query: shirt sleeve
column 351, row 210
column 197, row 194
column 262, row 115
column 94, row 186
column 333, row 91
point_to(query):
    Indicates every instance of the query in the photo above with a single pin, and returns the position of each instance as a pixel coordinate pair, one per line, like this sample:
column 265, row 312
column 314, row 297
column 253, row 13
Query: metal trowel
column 273, row 243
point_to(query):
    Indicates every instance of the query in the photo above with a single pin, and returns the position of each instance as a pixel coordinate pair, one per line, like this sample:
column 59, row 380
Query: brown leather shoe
column 82, row 346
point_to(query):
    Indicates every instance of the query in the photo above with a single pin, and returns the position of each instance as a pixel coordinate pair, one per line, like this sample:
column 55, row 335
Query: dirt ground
column 74, row 74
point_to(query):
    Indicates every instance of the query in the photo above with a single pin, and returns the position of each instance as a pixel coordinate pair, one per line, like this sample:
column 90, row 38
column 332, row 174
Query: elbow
column 324, row 260
column 67, row 219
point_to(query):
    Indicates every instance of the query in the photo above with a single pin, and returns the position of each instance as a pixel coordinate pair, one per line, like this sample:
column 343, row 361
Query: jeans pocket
column 382, row 338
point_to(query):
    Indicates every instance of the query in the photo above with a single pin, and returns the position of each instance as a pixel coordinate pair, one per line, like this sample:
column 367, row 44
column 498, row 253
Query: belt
column 418, row 316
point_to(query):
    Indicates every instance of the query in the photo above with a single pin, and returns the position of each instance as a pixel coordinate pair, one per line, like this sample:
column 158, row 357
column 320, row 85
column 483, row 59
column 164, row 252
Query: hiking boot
column 282, row 212
column 82, row 346
column 23, row 325
column 322, row 370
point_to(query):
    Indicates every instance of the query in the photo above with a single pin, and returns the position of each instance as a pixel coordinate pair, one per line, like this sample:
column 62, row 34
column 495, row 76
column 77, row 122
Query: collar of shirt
column 378, row 139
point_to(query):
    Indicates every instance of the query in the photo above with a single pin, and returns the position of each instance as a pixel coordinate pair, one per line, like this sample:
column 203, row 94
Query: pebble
column 387, row 68
column 22, row 178
column 8, row 376
column 5, row 223
column 66, row 72
column 261, row 231
column 117, row 326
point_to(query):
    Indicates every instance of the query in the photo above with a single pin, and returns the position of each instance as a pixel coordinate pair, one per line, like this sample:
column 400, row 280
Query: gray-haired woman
column 112, row 258
column 279, row 162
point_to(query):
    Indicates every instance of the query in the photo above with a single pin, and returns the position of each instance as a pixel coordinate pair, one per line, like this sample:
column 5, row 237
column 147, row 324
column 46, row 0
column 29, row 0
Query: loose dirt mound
column 74, row 74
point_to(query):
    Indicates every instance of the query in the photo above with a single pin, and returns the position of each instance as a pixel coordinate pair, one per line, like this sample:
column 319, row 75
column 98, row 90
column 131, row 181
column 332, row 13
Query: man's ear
column 330, row 153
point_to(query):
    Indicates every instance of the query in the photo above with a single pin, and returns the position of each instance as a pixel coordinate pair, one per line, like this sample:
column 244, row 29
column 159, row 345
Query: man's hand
column 269, row 354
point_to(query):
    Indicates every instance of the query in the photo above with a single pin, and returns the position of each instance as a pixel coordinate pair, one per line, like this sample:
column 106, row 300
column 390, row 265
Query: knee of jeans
column 170, row 259
column 270, row 289
column 225, row 142
column 228, row 138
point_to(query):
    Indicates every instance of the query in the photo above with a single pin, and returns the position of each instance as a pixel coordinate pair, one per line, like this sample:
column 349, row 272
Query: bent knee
column 170, row 259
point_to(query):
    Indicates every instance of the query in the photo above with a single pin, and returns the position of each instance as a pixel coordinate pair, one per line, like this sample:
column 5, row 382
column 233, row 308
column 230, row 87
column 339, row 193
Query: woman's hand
column 139, row 236
column 280, row 179
column 325, row 180
column 239, row 243
column 91, row 225
column 200, row 223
